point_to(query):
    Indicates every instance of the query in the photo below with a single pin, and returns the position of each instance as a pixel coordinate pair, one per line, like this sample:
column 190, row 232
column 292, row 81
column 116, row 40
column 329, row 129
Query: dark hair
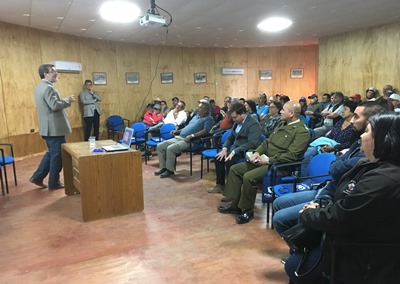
column 238, row 108
column 327, row 95
column 385, row 129
column 373, row 107
column 45, row 68
column 252, row 105
column 164, row 102
column 284, row 99
column 278, row 105
column 184, row 104
column 339, row 94
column 212, row 101
column 351, row 105
column 88, row 81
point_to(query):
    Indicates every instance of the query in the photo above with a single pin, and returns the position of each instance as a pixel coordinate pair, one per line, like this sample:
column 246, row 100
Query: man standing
column 286, row 144
column 199, row 126
column 53, row 126
column 91, row 109
column 245, row 135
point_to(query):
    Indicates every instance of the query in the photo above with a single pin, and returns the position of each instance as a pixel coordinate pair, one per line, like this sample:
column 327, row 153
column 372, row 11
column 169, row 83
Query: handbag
column 300, row 238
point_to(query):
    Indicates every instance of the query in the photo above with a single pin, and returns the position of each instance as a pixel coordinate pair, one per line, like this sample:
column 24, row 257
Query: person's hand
column 255, row 158
column 310, row 205
column 221, row 155
column 71, row 98
column 230, row 157
column 327, row 149
column 308, row 112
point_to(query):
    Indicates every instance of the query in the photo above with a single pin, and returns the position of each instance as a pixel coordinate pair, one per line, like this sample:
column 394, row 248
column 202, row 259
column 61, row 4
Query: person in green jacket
column 287, row 143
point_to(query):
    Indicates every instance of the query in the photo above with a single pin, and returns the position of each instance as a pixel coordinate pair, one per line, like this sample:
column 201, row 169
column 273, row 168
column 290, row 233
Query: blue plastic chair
column 6, row 160
column 116, row 125
column 139, row 134
column 317, row 173
column 212, row 153
column 165, row 134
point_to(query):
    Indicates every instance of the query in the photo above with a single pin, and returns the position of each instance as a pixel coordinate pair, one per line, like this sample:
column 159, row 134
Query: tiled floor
column 178, row 238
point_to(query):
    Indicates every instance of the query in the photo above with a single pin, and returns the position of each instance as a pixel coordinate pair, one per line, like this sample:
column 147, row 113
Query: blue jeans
column 52, row 162
column 308, row 155
column 287, row 209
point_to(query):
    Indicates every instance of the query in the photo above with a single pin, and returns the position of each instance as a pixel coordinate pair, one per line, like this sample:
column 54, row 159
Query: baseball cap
column 371, row 89
column 302, row 99
column 157, row 106
column 313, row 96
column 395, row 97
column 356, row 96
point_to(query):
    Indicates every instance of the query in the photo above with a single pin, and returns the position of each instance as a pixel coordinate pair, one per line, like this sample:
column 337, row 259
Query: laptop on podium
column 126, row 142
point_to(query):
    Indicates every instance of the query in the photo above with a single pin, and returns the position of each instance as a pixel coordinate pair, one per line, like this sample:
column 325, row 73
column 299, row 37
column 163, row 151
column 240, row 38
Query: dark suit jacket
column 247, row 138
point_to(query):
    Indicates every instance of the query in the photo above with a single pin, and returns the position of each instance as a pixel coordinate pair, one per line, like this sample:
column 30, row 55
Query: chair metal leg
column 191, row 158
column 15, row 173
column 201, row 166
column 5, row 178
column 2, row 184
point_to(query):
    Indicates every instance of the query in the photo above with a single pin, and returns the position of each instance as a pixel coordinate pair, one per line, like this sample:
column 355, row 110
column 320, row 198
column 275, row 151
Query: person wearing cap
column 262, row 107
column 395, row 100
column 371, row 94
column 154, row 116
column 312, row 108
column 303, row 104
column 355, row 98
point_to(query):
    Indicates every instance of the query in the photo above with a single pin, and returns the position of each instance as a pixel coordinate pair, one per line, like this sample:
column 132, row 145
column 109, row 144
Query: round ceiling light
column 275, row 24
column 119, row 11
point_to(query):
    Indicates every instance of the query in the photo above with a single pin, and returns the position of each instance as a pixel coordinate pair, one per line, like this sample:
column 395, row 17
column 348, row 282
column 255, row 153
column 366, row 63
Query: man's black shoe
column 167, row 173
column 229, row 210
column 160, row 172
column 245, row 217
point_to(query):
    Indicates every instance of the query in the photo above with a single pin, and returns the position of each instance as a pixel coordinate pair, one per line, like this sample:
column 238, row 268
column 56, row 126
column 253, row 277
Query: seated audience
column 326, row 100
column 251, row 109
column 199, row 126
column 340, row 137
column 371, row 94
column 216, row 111
column 245, row 135
column 164, row 108
column 312, row 108
column 365, row 210
column 395, row 100
column 227, row 104
column 286, row 144
column 331, row 114
column 303, row 104
column 262, row 107
column 153, row 116
column 355, row 98
column 287, row 207
column 269, row 123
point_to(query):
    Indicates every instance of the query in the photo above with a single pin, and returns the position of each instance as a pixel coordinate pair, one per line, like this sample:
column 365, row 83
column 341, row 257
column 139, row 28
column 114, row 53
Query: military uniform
column 286, row 144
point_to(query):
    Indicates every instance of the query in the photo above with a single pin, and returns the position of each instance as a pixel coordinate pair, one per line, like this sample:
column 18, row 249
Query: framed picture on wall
column 132, row 77
column 265, row 74
column 167, row 78
column 99, row 78
column 296, row 73
column 200, row 78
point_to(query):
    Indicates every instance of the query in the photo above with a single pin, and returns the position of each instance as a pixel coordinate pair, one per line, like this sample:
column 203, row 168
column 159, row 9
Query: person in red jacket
column 154, row 116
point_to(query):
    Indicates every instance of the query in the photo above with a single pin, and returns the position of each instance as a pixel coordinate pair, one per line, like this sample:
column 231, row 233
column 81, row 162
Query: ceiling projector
column 152, row 20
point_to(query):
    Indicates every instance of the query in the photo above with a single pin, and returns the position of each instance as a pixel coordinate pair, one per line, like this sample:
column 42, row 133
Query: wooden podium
column 110, row 183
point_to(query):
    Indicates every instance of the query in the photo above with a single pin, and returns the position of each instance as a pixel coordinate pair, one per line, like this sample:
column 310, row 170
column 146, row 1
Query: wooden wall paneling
column 298, row 57
column 354, row 61
column 133, row 58
column 263, row 59
column 231, row 85
column 198, row 60
column 170, row 60
column 19, row 61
